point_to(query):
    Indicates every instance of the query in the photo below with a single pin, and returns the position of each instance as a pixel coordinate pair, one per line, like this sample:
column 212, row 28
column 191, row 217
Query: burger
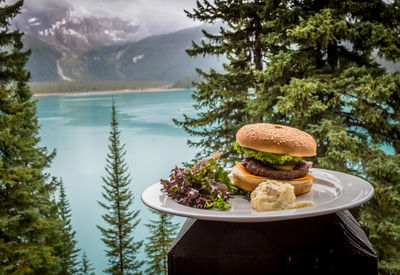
column 273, row 151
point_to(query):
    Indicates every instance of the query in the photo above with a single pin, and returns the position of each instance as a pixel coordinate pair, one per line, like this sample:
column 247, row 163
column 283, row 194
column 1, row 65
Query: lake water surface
column 77, row 126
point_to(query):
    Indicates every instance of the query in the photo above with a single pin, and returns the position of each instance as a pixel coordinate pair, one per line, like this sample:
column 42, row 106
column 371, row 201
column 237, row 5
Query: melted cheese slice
column 240, row 166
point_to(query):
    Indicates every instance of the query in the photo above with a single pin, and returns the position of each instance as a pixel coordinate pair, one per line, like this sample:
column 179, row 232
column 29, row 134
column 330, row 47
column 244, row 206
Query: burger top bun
column 275, row 138
column 250, row 183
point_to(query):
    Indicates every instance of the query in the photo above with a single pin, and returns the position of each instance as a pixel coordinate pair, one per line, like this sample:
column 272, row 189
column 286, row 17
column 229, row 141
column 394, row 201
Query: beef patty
column 258, row 168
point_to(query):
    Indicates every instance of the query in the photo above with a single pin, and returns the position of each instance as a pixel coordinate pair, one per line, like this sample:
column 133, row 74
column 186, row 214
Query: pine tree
column 320, row 75
column 86, row 267
column 121, row 221
column 221, row 98
column 68, row 251
column 163, row 233
column 29, row 225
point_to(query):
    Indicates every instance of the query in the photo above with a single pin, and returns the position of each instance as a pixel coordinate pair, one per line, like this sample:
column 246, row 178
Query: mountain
column 69, row 45
column 63, row 27
column 43, row 62
column 155, row 58
column 161, row 58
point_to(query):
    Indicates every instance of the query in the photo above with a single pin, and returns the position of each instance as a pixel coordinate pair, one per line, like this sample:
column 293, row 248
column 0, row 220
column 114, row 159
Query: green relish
column 280, row 161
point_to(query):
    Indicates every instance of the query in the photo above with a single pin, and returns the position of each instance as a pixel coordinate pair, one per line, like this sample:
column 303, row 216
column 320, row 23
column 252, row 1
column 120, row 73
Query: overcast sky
column 159, row 16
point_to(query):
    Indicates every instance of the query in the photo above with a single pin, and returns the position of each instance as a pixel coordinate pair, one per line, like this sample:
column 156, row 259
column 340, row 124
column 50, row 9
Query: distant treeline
column 188, row 81
column 86, row 86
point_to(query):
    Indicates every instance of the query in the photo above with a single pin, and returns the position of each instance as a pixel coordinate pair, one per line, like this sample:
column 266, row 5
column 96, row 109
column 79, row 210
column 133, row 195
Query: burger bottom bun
column 250, row 183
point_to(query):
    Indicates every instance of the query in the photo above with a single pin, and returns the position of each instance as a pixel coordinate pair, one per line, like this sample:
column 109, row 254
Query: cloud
column 157, row 16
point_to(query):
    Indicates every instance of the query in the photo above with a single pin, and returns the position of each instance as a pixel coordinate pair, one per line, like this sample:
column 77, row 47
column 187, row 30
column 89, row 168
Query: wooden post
column 329, row 244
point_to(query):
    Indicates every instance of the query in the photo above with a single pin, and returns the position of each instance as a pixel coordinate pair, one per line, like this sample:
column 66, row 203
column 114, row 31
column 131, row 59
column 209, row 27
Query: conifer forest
column 312, row 65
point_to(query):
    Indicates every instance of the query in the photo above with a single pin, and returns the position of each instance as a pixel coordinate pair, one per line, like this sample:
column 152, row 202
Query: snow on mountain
column 32, row 20
column 65, row 27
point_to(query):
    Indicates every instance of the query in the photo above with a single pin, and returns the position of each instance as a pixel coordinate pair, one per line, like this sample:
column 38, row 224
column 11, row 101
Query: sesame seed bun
column 275, row 138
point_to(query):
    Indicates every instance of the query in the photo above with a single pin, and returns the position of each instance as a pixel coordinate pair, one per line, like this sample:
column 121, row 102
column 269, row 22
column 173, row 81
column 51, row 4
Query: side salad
column 203, row 185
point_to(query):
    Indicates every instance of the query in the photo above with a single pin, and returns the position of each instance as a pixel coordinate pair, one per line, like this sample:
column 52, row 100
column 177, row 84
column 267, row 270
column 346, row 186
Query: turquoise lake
column 77, row 126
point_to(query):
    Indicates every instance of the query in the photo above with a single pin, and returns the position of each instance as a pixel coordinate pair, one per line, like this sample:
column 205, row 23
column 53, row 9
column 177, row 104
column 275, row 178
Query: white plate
column 331, row 192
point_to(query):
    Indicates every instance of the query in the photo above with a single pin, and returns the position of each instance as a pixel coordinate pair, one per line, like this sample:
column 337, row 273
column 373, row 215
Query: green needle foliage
column 320, row 75
column 221, row 98
column 86, row 267
column 163, row 232
column 117, row 235
column 29, row 224
column 68, row 251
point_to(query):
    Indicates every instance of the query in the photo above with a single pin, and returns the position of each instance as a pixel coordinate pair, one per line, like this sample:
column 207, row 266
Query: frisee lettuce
column 265, row 156
column 204, row 184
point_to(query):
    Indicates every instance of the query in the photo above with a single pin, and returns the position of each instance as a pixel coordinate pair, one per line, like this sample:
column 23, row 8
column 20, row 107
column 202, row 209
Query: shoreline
column 145, row 90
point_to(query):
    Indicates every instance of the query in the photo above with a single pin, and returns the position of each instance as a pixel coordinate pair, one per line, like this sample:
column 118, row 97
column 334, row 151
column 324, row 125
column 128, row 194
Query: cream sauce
column 274, row 195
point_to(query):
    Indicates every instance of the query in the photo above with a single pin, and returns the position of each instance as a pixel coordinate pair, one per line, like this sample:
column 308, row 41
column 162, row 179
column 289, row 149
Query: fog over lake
column 77, row 126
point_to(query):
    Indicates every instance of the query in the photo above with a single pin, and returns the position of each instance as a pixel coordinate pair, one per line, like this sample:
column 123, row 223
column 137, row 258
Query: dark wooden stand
column 329, row 244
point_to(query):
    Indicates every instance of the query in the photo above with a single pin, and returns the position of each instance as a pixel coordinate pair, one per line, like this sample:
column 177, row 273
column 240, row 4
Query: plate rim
column 336, row 177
